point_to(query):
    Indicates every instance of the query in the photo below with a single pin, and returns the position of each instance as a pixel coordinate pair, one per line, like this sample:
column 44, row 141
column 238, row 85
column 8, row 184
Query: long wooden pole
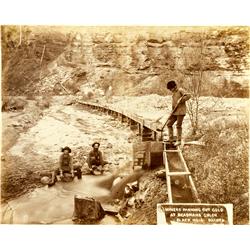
column 20, row 35
column 41, row 60
column 165, row 161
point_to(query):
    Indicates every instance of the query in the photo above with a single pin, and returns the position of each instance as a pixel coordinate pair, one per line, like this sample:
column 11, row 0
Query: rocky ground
column 34, row 135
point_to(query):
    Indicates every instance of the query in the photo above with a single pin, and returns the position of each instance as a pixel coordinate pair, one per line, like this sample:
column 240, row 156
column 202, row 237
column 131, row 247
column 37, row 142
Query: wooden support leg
column 139, row 129
column 154, row 136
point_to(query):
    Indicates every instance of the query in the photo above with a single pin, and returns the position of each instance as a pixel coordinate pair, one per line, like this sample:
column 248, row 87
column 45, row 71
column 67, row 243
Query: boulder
column 87, row 210
column 45, row 180
column 116, row 181
column 14, row 103
column 110, row 210
column 117, row 190
column 134, row 186
column 128, row 192
column 43, row 103
column 161, row 174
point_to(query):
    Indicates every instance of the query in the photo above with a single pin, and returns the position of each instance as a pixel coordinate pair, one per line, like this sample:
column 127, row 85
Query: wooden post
column 20, row 36
column 154, row 135
column 41, row 60
column 67, row 91
column 139, row 129
column 123, row 118
column 133, row 124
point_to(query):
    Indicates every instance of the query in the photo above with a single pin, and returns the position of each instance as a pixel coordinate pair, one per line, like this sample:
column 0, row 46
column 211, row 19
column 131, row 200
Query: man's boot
column 170, row 135
column 53, row 179
column 179, row 133
column 79, row 173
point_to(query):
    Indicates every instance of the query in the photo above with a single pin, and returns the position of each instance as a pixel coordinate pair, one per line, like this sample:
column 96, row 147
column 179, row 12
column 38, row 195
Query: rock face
column 136, row 62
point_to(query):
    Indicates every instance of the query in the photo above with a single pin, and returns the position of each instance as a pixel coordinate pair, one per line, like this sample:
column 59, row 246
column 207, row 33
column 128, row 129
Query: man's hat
column 66, row 148
column 95, row 143
column 171, row 85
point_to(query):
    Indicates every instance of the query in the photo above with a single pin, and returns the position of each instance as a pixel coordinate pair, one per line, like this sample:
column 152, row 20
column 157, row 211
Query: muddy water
column 60, row 126
column 54, row 205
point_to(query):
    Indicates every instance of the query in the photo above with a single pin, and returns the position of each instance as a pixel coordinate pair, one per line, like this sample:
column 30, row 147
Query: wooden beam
column 171, row 150
column 178, row 173
column 195, row 143
column 165, row 161
column 139, row 129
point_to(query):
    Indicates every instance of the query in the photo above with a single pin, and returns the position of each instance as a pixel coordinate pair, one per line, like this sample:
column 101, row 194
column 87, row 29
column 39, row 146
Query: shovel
column 172, row 112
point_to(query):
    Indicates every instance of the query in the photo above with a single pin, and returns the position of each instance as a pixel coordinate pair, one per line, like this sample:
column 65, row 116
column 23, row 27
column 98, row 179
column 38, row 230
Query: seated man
column 95, row 159
column 66, row 166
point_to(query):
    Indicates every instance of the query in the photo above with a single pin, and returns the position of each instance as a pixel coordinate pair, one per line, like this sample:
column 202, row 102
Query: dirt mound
column 155, row 191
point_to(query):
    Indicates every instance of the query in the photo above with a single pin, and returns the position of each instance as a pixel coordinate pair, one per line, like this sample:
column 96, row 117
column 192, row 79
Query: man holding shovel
column 179, row 98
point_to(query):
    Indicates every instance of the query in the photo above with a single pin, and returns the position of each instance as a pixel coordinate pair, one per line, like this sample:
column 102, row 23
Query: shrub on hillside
column 13, row 103
column 90, row 95
column 220, row 169
column 43, row 102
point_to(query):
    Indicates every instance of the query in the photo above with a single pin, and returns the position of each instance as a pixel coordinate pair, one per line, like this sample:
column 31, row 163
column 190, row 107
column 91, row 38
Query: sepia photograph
column 125, row 125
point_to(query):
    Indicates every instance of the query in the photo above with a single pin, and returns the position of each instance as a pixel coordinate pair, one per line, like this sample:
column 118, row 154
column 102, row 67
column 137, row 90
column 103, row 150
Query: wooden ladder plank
column 171, row 150
column 178, row 173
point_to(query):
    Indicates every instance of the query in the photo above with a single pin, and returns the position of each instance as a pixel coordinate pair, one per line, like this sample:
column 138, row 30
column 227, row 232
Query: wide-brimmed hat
column 66, row 148
column 171, row 85
column 95, row 143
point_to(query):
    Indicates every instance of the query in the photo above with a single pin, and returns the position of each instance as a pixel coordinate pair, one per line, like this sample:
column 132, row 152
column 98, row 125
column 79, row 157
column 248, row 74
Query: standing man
column 95, row 159
column 179, row 98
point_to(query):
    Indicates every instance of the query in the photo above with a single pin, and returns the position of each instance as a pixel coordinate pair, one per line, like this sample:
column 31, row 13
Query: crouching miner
column 66, row 166
column 95, row 158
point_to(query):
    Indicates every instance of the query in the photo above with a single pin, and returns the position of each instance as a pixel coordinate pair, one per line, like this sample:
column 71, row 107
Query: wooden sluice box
column 148, row 154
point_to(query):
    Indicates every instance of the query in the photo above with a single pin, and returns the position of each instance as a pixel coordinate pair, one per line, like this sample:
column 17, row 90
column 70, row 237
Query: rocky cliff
column 134, row 61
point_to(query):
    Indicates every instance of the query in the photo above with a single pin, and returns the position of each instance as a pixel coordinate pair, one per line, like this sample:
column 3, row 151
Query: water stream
column 54, row 205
